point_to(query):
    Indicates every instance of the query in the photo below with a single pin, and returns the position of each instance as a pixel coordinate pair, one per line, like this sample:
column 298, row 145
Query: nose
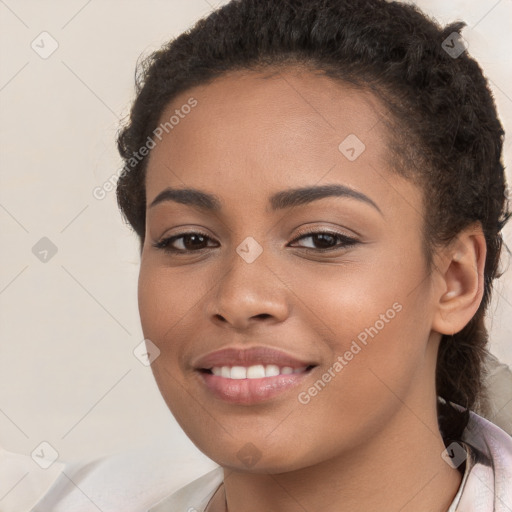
column 248, row 294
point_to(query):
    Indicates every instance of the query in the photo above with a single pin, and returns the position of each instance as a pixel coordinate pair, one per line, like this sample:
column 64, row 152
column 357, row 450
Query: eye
column 327, row 240
column 183, row 243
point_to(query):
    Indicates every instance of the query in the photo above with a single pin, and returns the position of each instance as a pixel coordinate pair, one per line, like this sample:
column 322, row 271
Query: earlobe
column 461, row 281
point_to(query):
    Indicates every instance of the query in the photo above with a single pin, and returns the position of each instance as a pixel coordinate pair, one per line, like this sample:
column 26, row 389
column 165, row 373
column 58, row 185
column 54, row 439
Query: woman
column 319, row 217
column 320, row 226
column 318, row 192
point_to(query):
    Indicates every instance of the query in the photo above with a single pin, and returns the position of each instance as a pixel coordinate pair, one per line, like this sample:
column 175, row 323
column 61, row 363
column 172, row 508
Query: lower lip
column 251, row 391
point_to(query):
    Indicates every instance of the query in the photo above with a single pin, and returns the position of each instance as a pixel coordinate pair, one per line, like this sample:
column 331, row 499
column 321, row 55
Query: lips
column 250, row 376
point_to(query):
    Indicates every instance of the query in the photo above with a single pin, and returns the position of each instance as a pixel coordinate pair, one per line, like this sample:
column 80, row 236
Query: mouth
column 251, row 376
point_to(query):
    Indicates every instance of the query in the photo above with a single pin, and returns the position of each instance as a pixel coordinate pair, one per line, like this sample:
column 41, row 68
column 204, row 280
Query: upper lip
column 248, row 357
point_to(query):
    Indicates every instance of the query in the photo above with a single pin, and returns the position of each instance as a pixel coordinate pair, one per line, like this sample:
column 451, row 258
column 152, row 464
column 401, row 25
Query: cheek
column 163, row 304
column 341, row 301
column 167, row 300
column 375, row 322
column 161, row 307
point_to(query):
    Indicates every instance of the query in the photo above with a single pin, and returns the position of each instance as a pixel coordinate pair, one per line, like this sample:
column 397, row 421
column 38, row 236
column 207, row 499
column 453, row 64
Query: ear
column 460, row 280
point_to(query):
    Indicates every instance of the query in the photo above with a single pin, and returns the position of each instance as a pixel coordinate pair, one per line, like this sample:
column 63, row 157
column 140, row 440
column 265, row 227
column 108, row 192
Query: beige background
column 68, row 326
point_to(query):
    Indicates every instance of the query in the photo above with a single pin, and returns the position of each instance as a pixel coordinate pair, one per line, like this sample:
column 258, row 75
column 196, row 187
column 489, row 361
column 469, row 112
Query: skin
column 374, row 425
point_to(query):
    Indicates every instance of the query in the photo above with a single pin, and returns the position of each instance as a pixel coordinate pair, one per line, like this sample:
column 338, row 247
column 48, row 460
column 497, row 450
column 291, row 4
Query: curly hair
column 443, row 129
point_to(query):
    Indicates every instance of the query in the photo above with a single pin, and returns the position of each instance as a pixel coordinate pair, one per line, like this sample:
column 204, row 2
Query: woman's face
column 352, row 321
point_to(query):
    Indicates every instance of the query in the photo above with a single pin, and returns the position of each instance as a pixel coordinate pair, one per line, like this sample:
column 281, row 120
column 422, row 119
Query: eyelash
column 347, row 241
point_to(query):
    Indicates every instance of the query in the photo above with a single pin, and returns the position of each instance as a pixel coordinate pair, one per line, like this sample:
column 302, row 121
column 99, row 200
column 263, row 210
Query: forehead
column 253, row 132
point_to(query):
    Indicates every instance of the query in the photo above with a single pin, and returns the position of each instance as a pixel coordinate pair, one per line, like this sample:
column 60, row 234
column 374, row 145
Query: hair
column 443, row 129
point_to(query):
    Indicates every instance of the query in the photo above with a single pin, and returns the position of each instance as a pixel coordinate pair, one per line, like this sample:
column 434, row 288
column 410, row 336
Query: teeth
column 271, row 370
column 257, row 371
column 238, row 372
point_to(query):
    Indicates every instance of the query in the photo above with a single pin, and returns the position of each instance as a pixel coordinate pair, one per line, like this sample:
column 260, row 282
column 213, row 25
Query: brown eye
column 184, row 242
column 327, row 241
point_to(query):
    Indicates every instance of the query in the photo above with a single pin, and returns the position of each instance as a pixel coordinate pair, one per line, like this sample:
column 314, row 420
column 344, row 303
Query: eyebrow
column 278, row 201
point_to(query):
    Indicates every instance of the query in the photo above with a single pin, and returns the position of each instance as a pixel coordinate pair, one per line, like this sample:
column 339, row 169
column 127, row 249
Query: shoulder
column 131, row 481
column 487, row 436
column 23, row 481
column 498, row 384
column 488, row 482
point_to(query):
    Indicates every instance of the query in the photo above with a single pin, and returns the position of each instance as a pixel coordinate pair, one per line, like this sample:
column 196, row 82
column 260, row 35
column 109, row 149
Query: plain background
column 69, row 326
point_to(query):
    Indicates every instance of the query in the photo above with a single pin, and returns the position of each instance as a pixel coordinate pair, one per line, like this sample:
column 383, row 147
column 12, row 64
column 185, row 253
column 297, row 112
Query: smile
column 248, row 376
